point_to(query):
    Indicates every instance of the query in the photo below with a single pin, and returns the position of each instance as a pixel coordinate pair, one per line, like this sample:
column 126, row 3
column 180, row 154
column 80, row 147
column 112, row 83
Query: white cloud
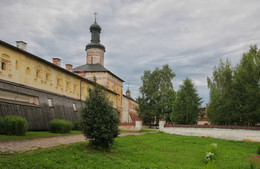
column 191, row 36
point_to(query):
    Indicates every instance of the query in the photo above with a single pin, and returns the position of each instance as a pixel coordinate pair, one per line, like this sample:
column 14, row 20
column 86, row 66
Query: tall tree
column 156, row 93
column 221, row 107
column 247, row 87
column 99, row 121
column 186, row 105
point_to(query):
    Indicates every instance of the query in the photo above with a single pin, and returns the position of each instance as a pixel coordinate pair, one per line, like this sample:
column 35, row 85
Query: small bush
column 77, row 125
column 60, row 126
column 13, row 125
column 212, row 148
column 211, row 153
column 258, row 150
column 1, row 126
column 99, row 121
column 210, row 165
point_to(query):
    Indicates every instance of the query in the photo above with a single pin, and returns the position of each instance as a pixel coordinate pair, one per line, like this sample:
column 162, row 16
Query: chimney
column 56, row 61
column 21, row 45
column 69, row 67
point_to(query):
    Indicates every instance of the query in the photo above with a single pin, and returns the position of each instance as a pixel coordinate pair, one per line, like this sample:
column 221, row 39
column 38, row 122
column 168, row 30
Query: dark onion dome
column 95, row 30
column 95, row 45
column 95, row 26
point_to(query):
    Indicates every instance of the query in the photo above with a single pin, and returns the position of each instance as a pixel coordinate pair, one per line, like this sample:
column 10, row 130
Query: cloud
column 191, row 36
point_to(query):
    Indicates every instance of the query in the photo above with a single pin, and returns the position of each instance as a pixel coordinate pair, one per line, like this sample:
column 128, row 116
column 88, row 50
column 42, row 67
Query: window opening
column 50, row 103
column 28, row 71
column 74, row 107
column 3, row 66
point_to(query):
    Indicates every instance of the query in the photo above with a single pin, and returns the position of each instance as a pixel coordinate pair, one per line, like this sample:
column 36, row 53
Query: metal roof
column 50, row 64
column 93, row 68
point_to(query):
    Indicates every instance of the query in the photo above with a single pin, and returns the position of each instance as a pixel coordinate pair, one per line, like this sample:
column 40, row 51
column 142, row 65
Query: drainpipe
column 80, row 92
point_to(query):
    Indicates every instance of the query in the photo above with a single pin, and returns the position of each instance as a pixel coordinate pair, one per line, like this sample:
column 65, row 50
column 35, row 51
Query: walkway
column 31, row 144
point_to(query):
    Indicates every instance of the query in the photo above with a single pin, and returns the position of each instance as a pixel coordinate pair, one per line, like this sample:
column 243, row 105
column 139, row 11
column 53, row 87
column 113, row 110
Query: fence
column 224, row 132
column 134, row 126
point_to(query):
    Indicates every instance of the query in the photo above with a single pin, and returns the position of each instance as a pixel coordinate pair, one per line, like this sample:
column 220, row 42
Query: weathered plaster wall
column 125, row 113
column 38, row 115
column 24, row 69
column 97, row 56
column 136, row 126
column 230, row 134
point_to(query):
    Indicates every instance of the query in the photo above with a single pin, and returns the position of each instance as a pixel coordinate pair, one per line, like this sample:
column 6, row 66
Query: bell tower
column 95, row 50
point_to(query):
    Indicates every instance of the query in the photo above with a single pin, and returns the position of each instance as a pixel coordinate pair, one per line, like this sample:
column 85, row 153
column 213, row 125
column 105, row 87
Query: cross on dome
column 95, row 14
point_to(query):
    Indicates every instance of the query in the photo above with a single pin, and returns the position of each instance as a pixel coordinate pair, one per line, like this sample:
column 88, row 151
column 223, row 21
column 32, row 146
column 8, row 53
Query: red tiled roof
column 134, row 117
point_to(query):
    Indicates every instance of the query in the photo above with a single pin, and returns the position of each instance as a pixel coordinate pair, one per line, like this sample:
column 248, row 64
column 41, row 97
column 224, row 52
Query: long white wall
column 230, row 134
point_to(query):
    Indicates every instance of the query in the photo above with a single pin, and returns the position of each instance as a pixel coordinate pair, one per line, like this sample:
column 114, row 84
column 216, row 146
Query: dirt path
column 31, row 144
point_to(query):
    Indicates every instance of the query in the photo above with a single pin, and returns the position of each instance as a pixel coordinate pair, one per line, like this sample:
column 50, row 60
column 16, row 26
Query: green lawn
column 152, row 150
column 37, row 134
column 40, row 134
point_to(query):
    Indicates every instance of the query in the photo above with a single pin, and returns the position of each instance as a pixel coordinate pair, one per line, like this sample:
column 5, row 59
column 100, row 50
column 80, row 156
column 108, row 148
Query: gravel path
column 31, row 144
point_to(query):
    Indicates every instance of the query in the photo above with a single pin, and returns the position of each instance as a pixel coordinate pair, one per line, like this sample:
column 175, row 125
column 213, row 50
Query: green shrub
column 13, row 125
column 210, row 165
column 99, row 121
column 212, row 148
column 60, row 126
column 1, row 126
column 258, row 150
column 211, row 152
column 77, row 125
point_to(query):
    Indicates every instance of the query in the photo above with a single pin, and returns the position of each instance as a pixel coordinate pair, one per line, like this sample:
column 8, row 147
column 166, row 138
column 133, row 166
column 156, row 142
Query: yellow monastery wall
column 115, row 85
column 110, row 82
column 25, row 69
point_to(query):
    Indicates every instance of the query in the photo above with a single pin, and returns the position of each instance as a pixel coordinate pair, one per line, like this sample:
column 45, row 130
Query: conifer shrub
column 258, row 150
column 13, row 125
column 99, row 120
column 60, row 126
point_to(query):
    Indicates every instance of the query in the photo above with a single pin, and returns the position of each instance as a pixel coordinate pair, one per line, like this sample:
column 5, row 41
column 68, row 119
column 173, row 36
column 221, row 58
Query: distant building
column 95, row 66
column 41, row 91
column 129, row 113
column 202, row 116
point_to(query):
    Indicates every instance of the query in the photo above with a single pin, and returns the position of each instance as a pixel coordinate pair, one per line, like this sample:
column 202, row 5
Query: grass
column 140, row 131
column 37, row 134
column 152, row 150
column 42, row 134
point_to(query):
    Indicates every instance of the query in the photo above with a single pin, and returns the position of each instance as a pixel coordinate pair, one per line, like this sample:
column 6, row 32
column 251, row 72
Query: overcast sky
column 189, row 35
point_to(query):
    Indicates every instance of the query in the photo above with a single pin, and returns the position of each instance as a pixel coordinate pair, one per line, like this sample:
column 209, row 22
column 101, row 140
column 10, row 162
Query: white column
column 161, row 125
column 138, row 125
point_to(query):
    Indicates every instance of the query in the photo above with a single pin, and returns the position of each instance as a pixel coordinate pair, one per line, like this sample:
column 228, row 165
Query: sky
column 189, row 35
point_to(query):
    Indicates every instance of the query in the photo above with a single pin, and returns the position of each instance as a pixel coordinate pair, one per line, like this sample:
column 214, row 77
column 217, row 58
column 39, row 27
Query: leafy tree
column 157, row 94
column 235, row 93
column 247, row 88
column 221, row 107
column 99, row 121
column 186, row 105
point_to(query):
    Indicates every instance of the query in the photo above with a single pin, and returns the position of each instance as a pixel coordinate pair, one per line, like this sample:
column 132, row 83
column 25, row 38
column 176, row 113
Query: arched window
column 28, row 71
column 38, row 73
column 58, row 82
column 48, row 77
column 3, row 66
column 16, row 64
column 5, row 61
column 91, row 59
